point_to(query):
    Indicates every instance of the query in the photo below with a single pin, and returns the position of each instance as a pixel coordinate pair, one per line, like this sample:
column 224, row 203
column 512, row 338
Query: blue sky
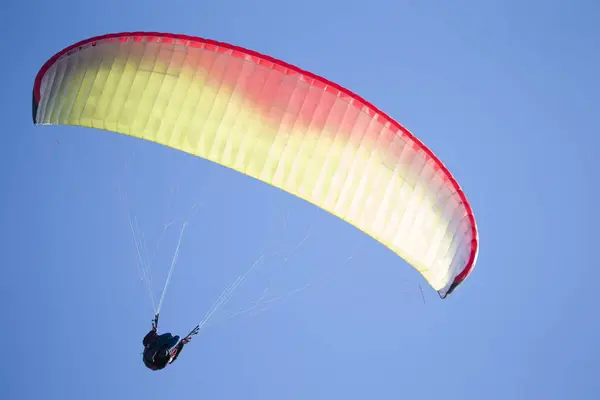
column 504, row 92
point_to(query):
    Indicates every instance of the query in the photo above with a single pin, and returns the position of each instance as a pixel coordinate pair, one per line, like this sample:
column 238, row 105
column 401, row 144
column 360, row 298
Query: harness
column 156, row 358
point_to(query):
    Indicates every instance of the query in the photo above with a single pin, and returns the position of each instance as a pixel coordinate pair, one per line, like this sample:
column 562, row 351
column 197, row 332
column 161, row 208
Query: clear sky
column 504, row 92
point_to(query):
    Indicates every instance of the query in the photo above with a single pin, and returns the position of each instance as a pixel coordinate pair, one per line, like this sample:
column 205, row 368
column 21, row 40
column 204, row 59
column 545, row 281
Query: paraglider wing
column 276, row 123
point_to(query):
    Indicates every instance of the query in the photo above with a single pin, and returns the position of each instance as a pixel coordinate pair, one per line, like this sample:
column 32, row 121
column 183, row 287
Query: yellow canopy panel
column 276, row 123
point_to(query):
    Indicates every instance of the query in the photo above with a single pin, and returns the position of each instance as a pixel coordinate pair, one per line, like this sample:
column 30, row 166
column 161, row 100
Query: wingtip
column 34, row 109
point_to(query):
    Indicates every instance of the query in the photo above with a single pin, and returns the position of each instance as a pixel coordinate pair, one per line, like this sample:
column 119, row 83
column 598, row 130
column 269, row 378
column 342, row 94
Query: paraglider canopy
column 274, row 122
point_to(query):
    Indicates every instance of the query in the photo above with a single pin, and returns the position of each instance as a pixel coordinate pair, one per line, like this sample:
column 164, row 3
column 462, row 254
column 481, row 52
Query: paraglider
column 162, row 350
column 276, row 123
